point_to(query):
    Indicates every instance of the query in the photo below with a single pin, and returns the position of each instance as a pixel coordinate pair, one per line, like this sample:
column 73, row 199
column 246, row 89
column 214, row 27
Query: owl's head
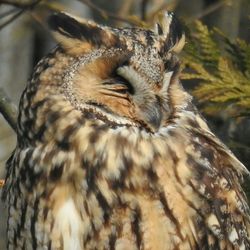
column 122, row 75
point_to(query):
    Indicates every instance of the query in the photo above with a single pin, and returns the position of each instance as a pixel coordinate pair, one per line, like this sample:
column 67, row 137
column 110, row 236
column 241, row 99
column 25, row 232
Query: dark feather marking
column 114, row 93
column 195, row 189
column 56, row 172
column 104, row 205
column 205, row 149
column 65, row 143
column 192, row 123
column 26, row 163
column 8, row 223
column 65, row 25
column 135, row 225
column 93, row 234
column 71, row 28
column 190, row 204
column 112, row 240
column 153, row 177
column 40, row 133
column 22, row 220
column 125, row 172
column 10, row 171
column 15, row 238
column 149, row 37
column 159, row 29
column 39, row 104
column 91, row 173
column 50, row 245
column 53, row 116
column 200, row 169
column 24, row 245
column 175, row 160
column 169, row 214
column 33, row 177
column 125, row 169
column 95, row 135
column 86, row 208
column 27, row 174
column 175, row 34
column 33, row 224
column 45, row 212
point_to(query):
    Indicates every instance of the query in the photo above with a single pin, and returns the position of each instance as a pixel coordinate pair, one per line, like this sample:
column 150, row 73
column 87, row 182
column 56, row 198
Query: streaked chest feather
column 112, row 154
column 129, row 189
column 124, row 188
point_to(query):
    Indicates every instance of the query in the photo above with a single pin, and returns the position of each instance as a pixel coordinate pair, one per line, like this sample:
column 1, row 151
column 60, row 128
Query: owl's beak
column 152, row 115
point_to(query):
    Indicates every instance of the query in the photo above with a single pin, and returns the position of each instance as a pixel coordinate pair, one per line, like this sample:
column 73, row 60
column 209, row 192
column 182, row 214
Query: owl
column 112, row 154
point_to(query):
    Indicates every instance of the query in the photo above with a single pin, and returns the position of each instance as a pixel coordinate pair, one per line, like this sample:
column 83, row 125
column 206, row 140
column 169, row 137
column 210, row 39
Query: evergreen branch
column 224, row 73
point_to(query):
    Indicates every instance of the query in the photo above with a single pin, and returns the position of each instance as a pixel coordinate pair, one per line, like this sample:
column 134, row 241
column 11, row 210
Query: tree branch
column 208, row 10
column 8, row 12
column 8, row 109
column 107, row 14
column 144, row 4
column 10, row 20
column 22, row 6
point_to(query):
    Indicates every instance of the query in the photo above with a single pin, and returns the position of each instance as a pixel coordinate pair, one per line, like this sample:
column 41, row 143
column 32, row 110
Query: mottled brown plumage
column 112, row 154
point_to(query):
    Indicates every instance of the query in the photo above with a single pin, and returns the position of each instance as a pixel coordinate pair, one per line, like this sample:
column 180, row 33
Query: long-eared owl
column 112, row 154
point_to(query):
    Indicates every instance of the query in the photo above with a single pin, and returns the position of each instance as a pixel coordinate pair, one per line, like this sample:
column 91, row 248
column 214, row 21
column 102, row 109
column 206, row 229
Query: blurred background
column 222, row 52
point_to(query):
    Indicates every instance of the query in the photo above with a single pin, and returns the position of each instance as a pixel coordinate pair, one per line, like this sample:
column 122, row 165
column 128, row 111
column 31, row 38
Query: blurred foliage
column 222, row 68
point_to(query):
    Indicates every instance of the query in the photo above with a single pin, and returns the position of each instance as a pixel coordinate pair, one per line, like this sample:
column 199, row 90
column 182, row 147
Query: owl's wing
column 218, row 183
column 9, row 169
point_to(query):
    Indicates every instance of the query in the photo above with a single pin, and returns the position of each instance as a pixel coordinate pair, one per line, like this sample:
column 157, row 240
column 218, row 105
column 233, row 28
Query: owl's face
column 120, row 75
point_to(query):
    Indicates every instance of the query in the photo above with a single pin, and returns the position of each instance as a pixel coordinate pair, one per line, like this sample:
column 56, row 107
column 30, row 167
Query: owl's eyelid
column 120, row 81
column 114, row 82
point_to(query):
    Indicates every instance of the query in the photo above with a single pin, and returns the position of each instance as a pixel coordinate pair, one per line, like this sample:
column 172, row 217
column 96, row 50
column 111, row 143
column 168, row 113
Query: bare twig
column 8, row 12
column 125, row 8
column 212, row 8
column 22, row 6
column 106, row 14
column 19, row 4
column 8, row 109
column 14, row 17
column 144, row 4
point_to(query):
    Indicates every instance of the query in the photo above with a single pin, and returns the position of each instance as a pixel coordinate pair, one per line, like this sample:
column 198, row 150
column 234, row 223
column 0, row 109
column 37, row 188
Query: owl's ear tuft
column 65, row 24
column 170, row 33
column 78, row 35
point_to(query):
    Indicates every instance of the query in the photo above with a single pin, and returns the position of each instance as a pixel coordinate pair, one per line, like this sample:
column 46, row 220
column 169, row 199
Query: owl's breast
column 132, row 193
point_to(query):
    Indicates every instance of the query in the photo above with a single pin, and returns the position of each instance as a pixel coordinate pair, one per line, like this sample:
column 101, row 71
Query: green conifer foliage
column 222, row 68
